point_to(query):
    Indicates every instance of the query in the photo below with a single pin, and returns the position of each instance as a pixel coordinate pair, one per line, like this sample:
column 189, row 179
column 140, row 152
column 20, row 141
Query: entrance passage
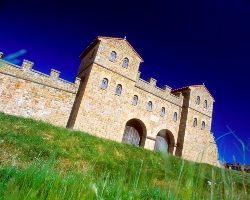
column 134, row 133
column 131, row 136
column 164, row 141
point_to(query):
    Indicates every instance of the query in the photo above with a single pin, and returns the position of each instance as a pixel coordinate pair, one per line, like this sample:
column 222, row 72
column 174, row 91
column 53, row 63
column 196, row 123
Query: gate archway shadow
column 135, row 132
column 164, row 141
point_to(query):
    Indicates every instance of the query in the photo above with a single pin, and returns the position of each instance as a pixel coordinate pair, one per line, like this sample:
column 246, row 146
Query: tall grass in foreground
column 42, row 161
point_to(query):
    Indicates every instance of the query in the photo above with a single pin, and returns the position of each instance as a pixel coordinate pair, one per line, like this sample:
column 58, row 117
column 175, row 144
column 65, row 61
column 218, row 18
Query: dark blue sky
column 182, row 42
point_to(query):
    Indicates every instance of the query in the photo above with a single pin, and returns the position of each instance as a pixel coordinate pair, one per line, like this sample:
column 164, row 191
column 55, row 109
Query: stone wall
column 150, row 87
column 29, row 93
column 105, row 114
column 123, row 50
column 182, row 127
column 102, row 112
column 198, row 144
column 197, row 140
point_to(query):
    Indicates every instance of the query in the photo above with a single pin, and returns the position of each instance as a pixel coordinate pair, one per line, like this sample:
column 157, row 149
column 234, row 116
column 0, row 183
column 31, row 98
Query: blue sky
column 182, row 42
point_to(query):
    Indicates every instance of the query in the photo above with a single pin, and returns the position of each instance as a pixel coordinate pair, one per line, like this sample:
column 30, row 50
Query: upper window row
column 198, row 99
column 118, row 89
column 113, row 57
column 118, row 92
column 202, row 124
column 150, row 107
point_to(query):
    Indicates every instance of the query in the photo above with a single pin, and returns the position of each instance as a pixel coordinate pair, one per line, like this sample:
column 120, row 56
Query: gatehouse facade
column 110, row 100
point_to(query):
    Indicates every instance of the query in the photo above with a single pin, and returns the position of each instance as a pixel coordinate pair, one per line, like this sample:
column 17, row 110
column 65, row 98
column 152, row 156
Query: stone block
column 54, row 74
column 152, row 81
column 27, row 65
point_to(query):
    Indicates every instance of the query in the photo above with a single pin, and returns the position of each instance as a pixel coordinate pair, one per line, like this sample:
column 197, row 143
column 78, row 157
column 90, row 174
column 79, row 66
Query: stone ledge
column 150, row 138
column 113, row 71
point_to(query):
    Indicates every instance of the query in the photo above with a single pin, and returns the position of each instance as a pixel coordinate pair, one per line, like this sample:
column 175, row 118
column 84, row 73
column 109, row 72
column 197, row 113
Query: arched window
column 195, row 121
column 118, row 90
column 135, row 99
column 162, row 111
column 205, row 104
column 198, row 100
column 125, row 63
column 150, row 106
column 104, row 83
column 175, row 116
column 112, row 56
column 202, row 125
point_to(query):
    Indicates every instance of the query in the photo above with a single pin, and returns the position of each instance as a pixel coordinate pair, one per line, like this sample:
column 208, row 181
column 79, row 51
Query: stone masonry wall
column 182, row 127
column 123, row 50
column 29, row 93
column 148, row 91
column 103, row 113
column 199, row 145
column 197, row 140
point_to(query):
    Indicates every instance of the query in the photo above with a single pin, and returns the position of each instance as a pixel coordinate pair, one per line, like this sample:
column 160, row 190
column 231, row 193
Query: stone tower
column 100, row 110
column 196, row 118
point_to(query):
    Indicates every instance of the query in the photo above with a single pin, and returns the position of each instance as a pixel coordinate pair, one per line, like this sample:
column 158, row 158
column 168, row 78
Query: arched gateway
column 164, row 141
column 135, row 132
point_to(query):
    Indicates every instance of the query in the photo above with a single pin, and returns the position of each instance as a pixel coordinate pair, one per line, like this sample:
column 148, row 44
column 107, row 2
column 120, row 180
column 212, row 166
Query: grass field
column 42, row 161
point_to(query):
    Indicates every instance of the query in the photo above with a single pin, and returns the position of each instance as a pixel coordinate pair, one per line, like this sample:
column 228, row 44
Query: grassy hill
column 42, row 161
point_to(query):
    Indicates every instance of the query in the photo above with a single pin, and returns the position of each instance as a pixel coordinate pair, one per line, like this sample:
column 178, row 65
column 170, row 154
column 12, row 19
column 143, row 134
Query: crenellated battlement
column 26, row 72
column 164, row 92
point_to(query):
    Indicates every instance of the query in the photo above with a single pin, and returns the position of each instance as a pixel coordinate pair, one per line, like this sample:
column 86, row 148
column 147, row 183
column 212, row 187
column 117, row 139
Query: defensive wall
column 29, row 93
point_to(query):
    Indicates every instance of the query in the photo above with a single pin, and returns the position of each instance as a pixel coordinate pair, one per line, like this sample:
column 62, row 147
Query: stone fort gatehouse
column 110, row 100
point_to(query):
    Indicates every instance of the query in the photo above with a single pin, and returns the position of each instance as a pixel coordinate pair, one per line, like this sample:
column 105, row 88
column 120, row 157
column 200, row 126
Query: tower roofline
column 97, row 40
column 188, row 87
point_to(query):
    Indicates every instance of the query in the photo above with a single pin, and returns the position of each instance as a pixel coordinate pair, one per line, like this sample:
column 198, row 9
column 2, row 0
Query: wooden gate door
column 161, row 144
column 131, row 136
